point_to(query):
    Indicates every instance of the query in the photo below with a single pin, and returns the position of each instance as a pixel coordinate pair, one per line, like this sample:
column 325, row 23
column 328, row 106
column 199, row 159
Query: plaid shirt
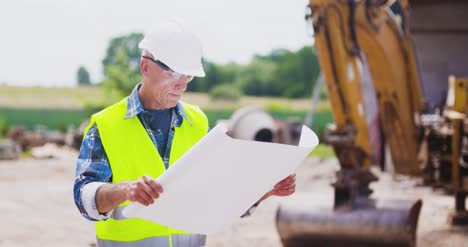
column 92, row 168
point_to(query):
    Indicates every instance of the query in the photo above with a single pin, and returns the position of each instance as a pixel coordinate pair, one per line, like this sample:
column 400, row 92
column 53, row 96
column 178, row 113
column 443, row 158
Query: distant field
column 75, row 98
column 48, row 98
column 61, row 119
column 59, row 108
column 298, row 105
column 56, row 119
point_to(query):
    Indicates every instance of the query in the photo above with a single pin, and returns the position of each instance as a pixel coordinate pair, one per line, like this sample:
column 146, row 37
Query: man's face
column 166, row 88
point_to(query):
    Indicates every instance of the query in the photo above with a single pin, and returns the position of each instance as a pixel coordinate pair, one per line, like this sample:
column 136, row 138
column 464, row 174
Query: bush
column 273, row 107
column 3, row 127
column 323, row 151
column 53, row 119
column 225, row 92
column 295, row 91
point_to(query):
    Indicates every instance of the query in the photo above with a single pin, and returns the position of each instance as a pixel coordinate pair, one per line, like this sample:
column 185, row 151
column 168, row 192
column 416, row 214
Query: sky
column 43, row 42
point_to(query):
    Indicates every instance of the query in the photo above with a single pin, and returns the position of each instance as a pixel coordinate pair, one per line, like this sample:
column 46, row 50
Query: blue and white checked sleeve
column 92, row 171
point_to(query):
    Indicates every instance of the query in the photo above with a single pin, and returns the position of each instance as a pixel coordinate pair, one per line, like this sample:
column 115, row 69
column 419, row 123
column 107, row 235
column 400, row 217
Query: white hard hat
column 176, row 46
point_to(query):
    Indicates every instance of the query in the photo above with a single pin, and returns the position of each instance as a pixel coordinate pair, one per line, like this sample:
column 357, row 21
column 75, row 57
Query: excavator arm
column 348, row 34
column 351, row 36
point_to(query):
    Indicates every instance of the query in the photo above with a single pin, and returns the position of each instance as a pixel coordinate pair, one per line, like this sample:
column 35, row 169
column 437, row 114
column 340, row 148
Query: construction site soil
column 37, row 206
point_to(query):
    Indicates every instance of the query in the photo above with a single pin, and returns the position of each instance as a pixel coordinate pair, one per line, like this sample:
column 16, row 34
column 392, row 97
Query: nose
column 181, row 84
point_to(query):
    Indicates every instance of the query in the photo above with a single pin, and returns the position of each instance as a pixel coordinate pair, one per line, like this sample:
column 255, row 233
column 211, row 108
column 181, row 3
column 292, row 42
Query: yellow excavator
column 424, row 141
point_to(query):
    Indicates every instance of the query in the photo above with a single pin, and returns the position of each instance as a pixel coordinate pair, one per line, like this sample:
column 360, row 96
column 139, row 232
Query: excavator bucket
column 392, row 223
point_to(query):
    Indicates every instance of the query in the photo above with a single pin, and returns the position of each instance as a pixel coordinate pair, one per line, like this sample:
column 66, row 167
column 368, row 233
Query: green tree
column 227, row 92
column 121, row 78
column 257, row 77
column 230, row 72
column 310, row 68
column 296, row 72
column 280, row 73
column 82, row 76
column 121, row 64
column 128, row 43
column 212, row 78
column 3, row 127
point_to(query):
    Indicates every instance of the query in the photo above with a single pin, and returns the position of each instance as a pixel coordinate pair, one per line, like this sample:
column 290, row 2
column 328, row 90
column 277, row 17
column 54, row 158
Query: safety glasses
column 171, row 72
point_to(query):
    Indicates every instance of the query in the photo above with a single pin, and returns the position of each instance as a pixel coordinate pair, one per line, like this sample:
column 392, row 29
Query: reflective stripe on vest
column 117, row 214
column 131, row 155
column 194, row 240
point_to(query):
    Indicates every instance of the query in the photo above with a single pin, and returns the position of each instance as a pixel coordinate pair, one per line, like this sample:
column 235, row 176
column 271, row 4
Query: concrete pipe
column 252, row 123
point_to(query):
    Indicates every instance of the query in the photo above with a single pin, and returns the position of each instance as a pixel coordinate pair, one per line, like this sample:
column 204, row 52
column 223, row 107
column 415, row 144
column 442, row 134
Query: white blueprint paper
column 215, row 182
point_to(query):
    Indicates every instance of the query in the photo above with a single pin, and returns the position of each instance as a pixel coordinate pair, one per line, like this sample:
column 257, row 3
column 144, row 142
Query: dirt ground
column 37, row 207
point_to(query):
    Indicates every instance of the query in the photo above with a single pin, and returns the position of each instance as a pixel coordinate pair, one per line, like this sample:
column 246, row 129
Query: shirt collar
column 134, row 108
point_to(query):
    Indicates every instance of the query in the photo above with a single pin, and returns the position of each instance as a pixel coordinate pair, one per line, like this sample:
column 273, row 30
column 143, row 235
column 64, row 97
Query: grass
column 296, row 105
column 58, row 108
column 26, row 155
column 48, row 98
column 76, row 98
column 57, row 119
column 61, row 119
column 323, row 151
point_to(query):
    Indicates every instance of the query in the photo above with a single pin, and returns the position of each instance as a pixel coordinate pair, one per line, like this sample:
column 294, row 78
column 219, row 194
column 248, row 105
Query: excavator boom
column 352, row 36
column 350, row 33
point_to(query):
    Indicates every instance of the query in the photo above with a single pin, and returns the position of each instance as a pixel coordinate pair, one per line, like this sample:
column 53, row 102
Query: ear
column 144, row 68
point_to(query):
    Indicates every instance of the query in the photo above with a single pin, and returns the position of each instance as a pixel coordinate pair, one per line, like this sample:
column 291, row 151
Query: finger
column 288, row 193
column 286, row 182
column 281, row 183
column 145, row 191
column 134, row 196
column 153, row 184
column 145, row 196
column 286, row 187
column 289, row 179
column 141, row 199
column 285, row 192
column 147, row 187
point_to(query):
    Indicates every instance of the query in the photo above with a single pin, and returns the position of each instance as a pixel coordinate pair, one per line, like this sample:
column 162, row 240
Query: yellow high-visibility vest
column 132, row 154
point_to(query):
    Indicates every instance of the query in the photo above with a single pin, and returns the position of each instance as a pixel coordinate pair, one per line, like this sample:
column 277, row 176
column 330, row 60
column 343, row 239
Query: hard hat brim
column 198, row 72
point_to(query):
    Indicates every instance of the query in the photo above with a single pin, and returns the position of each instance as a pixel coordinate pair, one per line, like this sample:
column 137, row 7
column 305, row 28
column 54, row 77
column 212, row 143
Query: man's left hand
column 285, row 187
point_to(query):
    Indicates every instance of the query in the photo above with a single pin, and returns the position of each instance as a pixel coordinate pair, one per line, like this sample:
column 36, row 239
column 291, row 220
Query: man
column 132, row 142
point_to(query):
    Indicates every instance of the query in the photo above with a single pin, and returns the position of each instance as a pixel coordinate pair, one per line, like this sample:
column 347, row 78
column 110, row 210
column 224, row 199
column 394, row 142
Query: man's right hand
column 144, row 191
